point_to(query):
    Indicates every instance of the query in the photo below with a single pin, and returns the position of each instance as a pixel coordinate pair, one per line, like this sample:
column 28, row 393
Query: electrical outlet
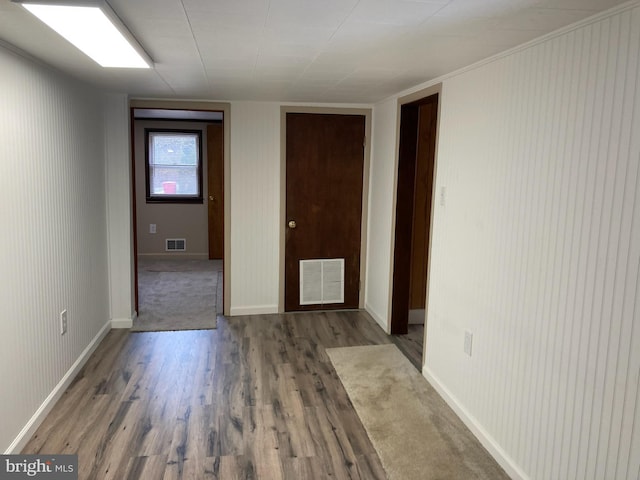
column 152, row 228
column 63, row 322
column 443, row 195
column 468, row 341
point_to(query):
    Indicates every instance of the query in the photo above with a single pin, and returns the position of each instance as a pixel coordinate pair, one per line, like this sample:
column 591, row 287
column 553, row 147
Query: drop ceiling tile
column 274, row 63
column 301, row 95
column 294, row 41
column 310, row 50
column 318, row 73
column 357, row 31
column 389, row 44
column 147, row 9
column 208, row 23
column 301, row 34
column 457, row 26
column 505, row 39
column 302, row 84
column 227, row 50
column 285, row 49
column 183, row 79
column 330, row 13
column 265, row 91
column 484, row 8
column 207, row 8
column 394, row 12
column 203, row 32
column 163, row 28
column 375, row 75
column 226, row 74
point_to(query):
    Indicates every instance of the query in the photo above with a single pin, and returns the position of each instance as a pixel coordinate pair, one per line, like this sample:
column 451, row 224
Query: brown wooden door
column 324, row 176
column 215, row 189
column 425, row 159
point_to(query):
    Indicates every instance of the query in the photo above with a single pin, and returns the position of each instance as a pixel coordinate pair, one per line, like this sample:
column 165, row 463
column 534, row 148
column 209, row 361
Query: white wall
column 381, row 210
column 119, row 210
column 537, row 253
column 53, row 245
column 255, row 207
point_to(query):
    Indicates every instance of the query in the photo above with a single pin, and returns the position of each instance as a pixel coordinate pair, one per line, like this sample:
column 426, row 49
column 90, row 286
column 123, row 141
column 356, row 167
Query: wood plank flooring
column 255, row 399
column 411, row 344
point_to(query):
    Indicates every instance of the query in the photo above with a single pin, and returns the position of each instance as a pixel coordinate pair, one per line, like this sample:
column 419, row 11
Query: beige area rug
column 416, row 434
column 178, row 295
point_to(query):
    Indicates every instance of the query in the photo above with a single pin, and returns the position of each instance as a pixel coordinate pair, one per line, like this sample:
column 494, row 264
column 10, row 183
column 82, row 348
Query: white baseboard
column 487, row 441
column 173, row 256
column 121, row 322
column 383, row 325
column 34, row 422
column 255, row 310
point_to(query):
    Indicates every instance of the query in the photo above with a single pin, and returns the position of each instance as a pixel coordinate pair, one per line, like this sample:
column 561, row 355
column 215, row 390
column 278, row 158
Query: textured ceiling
column 355, row 51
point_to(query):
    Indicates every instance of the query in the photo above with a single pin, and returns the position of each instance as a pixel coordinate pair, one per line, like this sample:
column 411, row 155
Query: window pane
column 174, row 164
column 174, row 180
column 174, row 149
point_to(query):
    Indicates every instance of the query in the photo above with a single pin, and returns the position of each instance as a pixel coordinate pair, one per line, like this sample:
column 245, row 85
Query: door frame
column 214, row 163
column 394, row 325
column 365, row 112
column 225, row 108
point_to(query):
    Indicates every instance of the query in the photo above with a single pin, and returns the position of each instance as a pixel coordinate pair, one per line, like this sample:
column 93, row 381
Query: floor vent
column 321, row 281
column 176, row 245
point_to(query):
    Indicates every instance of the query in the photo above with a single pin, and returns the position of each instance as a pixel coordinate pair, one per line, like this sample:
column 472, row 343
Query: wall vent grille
column 322, row 281
column 176, row 245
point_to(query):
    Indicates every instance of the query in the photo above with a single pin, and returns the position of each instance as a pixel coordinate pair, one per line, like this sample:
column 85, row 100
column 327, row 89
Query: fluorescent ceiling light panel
column 93, row 30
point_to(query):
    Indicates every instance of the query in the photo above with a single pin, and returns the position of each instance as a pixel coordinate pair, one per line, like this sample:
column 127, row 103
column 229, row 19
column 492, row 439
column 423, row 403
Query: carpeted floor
column 178, row 294
column 415, row 433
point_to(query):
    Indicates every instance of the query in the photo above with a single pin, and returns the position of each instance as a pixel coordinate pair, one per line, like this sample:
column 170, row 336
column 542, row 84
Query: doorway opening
column 416, row 173
column 179, row 152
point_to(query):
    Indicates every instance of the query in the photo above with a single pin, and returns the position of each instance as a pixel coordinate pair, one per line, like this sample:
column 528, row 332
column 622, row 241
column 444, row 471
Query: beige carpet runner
column 416, row 434
column 178, row 295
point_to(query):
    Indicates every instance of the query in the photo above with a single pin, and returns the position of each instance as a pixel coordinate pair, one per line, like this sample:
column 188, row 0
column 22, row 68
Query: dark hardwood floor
column 255, row 399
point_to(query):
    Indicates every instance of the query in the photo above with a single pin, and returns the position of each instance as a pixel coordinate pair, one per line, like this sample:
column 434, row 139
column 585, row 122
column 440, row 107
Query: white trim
column 255, row 310
column 121, row 322
column 174, row 255
column 487, row 441
column 378, row 319
column 38, row 417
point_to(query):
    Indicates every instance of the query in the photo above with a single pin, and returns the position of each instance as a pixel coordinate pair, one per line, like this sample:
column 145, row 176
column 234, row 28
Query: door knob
column 211, row 198
column 292, row 224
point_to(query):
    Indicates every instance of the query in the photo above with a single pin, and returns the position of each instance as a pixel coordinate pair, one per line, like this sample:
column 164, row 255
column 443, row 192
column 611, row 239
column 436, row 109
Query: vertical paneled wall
column 53, row 252
column 381, row 209
column 255, row 207
column 119, row 209
column 536, row 252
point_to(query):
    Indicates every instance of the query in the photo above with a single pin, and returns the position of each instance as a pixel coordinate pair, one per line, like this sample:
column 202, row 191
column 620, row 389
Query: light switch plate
column 468, row 342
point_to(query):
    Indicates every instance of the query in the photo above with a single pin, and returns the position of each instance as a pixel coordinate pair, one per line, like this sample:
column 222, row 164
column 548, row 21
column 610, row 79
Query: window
column 173, row 165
